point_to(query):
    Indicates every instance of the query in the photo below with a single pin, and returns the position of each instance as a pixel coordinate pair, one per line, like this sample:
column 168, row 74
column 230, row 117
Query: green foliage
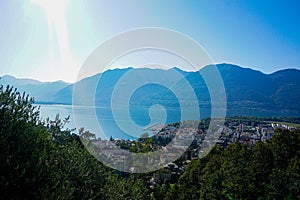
column 42, row 160
column 264, row 171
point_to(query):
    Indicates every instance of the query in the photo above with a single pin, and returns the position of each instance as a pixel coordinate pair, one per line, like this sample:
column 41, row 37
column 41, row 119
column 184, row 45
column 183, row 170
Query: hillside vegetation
column 42, row 160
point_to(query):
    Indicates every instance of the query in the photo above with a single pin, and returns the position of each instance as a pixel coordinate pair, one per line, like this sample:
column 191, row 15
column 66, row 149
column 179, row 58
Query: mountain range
column 248, row 92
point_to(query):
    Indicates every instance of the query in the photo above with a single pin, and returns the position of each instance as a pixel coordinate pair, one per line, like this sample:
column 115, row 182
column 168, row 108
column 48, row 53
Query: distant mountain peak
column 286, row 71
column 8, row 76
column 58, row 82
column 248, row 91
column 6, row 79
column 177, row 69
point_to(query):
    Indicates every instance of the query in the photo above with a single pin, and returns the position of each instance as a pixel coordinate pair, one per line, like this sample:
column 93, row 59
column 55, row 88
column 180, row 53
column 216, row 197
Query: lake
column 118, row 123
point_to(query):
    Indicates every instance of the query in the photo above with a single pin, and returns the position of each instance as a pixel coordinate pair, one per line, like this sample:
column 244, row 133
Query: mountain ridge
column 248, row 91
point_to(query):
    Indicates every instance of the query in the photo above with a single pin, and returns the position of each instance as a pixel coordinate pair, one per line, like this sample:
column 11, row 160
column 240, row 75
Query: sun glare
column 55, row 11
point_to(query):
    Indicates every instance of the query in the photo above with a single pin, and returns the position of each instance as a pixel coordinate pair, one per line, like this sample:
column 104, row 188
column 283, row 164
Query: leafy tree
column 43, row 160
column 24, row 145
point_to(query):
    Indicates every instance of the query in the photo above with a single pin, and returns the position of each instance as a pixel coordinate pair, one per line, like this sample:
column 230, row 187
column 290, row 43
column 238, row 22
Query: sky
column 49, row 40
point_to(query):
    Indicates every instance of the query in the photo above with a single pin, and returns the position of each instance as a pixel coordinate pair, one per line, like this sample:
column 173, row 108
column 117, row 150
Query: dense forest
column 43, row 160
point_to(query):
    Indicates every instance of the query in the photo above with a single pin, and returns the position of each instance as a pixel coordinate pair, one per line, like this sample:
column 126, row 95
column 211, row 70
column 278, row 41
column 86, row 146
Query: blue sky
column 50, row 39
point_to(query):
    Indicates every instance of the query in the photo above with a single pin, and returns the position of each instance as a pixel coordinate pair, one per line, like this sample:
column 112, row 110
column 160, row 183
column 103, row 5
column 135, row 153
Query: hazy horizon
column 143, row 67
column 50, row 40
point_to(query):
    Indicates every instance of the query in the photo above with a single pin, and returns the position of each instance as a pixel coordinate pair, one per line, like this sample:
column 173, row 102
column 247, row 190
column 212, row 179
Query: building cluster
column 181, row 145
column 247, row 133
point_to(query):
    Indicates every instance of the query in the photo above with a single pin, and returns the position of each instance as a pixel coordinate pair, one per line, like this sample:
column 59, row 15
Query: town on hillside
column 166, row 137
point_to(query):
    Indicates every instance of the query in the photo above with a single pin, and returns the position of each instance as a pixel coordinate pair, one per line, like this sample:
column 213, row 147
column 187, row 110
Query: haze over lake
column 90, row 119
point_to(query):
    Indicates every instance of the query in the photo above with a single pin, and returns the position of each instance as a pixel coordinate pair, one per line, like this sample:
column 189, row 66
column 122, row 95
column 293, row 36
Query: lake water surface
column 105, row 123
